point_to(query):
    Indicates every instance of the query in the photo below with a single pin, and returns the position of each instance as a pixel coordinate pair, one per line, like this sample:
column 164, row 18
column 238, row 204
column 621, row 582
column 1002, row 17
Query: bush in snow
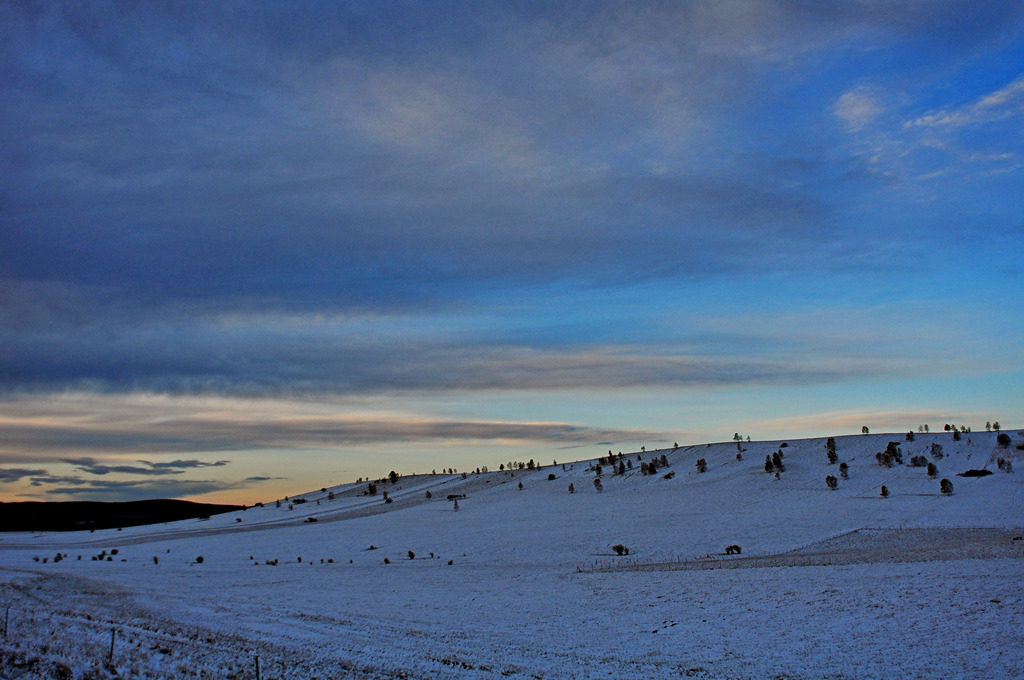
column 199, row 560
column 551, row 477
column 910, row 436
column 833, row 458
column 1003, row 440
column 412, row 555
column 946, row 486
column 885, row 491
column 932, row 470
column 844, row 470
column 956, row 435
column 936, row 450
column 598, row 485
column 620, row 549
column 572, row 488
column 768, row 466
column 702, row 465
column 733, row 550
column 831, row 482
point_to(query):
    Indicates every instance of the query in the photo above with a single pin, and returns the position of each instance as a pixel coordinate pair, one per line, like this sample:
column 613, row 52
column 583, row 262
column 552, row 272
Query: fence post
column 113, row 632
column 7, row 620
column 257, row 667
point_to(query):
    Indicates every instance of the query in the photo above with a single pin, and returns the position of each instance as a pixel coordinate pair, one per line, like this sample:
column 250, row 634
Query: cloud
column 176, row 467
column 276, row 355
column 104, row 490
column 857, row 108
column 130, row 424
column 978, row 139
column 16, row 474
column 994, row 107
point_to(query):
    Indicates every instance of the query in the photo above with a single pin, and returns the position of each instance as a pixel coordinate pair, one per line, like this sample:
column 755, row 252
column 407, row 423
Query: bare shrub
column 831, row 482
column 777, row 461
column 844, row 470
column 620, row 549
column 932, row 470
column 702, row 465
column 885, row 491
column 946, row 486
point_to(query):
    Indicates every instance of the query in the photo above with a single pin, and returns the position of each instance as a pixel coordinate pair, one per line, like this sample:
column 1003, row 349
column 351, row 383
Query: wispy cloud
column 132, row 424
column 979, row 138
column 999, row 105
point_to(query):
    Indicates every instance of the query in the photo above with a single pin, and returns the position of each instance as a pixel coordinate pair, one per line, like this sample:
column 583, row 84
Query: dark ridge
column 82, row 515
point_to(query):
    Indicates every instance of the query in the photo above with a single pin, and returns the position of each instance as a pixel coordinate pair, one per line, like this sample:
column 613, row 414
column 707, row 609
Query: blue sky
column 254, row 249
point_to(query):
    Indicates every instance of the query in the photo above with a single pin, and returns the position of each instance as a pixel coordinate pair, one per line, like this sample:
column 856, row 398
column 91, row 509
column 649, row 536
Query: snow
column 830, row 584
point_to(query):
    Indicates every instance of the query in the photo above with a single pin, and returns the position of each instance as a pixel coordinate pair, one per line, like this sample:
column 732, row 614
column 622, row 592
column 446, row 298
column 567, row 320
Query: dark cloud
column 15, row 474
column 262, row 360
column 176, row 467
column 111, row 490
column 311, row 157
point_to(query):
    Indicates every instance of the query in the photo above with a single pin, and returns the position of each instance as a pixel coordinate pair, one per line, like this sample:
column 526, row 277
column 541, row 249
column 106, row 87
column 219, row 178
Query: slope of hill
column 524, row 582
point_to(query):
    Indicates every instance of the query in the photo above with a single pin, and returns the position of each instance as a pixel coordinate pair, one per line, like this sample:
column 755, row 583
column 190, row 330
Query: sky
column 252, row 249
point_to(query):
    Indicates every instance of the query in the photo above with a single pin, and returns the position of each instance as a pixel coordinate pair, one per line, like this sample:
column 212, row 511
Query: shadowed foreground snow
column 830, row 584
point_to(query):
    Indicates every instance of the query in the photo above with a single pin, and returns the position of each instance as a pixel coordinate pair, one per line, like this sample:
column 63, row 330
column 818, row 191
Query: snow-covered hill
column 524, row 582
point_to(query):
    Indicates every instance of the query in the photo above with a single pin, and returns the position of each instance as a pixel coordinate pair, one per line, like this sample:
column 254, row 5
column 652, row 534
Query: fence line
column 128, row 631
column 634, row 564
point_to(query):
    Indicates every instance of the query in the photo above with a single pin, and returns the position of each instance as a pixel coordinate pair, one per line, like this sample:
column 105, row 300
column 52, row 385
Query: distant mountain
column 80, row 515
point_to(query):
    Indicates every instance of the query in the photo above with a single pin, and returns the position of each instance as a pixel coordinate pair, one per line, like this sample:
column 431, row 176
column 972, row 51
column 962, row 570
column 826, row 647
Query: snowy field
column 524, row 582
